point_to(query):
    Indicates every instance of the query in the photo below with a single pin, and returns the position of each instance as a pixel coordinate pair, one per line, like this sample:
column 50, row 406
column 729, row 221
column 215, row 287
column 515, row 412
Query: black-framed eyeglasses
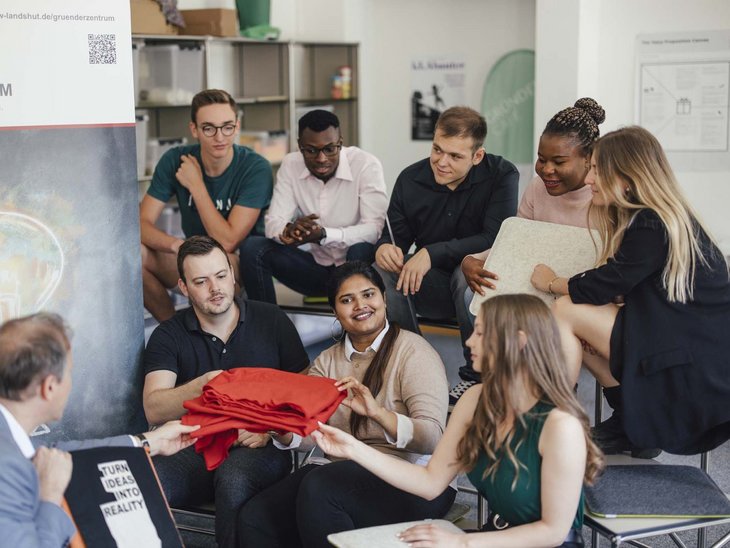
column 328, row 150
column 209, row 130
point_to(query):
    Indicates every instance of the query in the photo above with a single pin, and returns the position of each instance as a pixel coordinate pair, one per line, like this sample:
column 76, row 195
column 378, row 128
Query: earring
column 336, row 331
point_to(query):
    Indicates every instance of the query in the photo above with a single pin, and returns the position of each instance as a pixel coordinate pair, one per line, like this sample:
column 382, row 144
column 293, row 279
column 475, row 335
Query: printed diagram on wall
column 682, row 96
column 31, row 264
column 685, row 105
column 437, row 83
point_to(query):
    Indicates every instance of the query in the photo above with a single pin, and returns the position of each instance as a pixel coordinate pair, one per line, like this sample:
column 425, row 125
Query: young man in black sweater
column 450, row 205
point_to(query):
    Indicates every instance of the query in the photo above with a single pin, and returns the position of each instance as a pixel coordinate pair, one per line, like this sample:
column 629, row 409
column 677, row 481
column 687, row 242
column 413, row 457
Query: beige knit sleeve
column 424, row 391
column 319, row 366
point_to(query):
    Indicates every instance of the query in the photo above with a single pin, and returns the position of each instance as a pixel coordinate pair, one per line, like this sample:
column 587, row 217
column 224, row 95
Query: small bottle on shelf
column 337, row 89
column 346, row 77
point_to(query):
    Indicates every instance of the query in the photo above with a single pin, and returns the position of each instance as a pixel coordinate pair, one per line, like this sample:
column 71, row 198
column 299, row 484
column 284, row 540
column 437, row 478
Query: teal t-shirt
column 521, row 505
column 248, row 182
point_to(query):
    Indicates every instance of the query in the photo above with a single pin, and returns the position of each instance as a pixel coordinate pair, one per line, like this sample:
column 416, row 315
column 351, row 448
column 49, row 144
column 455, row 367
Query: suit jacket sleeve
column 502, row 204
column 641, row 254
column 116, row 441
column 25, row 521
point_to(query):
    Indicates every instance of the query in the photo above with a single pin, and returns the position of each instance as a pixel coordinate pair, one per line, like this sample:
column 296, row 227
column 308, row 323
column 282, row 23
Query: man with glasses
column 331, row 198
column 221, row 189
column 448, row 205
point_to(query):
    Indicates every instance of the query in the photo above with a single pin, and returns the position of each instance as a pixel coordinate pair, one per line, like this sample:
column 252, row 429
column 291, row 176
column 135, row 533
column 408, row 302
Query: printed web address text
column 53, row 17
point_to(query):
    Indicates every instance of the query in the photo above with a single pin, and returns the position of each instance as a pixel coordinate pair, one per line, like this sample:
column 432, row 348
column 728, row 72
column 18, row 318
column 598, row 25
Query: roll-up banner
column 69, row 220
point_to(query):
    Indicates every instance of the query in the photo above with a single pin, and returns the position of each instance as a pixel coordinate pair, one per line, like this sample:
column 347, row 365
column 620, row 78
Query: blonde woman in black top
column 656, row 309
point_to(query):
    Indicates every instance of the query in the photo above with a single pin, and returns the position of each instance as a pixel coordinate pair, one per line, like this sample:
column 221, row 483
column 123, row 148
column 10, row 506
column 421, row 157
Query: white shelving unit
column 270, row 80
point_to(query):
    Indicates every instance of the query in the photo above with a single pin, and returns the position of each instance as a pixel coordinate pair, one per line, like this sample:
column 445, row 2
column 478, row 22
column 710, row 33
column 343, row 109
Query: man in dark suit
column 35, row 382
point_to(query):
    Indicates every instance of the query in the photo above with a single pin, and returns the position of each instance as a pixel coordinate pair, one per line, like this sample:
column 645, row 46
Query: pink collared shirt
column 351, row 205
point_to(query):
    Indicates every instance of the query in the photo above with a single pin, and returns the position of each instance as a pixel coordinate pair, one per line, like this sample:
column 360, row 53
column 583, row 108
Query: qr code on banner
column 102, row 49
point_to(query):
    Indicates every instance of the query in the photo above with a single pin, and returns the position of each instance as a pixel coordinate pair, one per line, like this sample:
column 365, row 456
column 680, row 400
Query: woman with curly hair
column 558, row 194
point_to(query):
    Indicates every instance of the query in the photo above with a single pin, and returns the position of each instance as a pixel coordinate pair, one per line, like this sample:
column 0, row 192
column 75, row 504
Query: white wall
column 556, row 65
column 312, row 20
column 598, row 61
column 583, row 48
column 391, row 33
column 481, row 31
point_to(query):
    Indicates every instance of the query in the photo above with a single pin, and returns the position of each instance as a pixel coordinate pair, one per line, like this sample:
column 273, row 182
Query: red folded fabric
column 257, row 399
column 274, row 420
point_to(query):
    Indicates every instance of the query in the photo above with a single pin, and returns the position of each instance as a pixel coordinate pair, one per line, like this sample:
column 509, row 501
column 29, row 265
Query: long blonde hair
column 634, row 174
column 540, row 362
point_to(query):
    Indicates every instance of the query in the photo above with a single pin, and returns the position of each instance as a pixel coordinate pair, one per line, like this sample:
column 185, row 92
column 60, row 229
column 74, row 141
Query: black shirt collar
column 191, row 322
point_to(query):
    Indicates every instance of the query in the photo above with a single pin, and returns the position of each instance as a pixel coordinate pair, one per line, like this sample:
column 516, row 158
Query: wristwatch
column 143, row 441
column 323, row 234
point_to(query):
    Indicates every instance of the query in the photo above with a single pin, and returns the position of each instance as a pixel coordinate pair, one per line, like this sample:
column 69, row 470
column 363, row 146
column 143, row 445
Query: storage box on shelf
column 211, row 22
column 170, row 74
column 147, row 18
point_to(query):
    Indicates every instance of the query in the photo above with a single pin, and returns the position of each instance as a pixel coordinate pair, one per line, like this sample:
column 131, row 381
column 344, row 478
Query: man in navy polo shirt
column 218, row 332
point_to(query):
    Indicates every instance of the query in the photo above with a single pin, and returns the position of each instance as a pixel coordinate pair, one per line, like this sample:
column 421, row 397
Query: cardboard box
column 147, row 18
column 213, row 22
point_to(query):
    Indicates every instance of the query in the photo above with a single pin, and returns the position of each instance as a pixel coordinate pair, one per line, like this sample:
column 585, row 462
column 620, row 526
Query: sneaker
column 609, row 435
column 459, row 389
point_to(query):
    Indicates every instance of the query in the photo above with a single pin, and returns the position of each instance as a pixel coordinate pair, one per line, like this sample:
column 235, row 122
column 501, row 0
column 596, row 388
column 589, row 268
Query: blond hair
column 540, row 362
column 635, row 174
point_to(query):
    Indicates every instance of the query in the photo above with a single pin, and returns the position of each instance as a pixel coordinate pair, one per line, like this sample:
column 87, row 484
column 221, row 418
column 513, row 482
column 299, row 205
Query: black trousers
column 316, row 500
column 186, row 481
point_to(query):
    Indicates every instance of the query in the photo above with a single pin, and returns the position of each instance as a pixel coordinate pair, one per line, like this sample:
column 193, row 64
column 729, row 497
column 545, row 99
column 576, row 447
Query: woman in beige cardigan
column 397, row 404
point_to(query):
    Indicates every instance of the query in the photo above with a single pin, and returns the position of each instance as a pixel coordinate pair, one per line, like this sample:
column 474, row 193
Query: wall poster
column 683, row 96
column 437, row 83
